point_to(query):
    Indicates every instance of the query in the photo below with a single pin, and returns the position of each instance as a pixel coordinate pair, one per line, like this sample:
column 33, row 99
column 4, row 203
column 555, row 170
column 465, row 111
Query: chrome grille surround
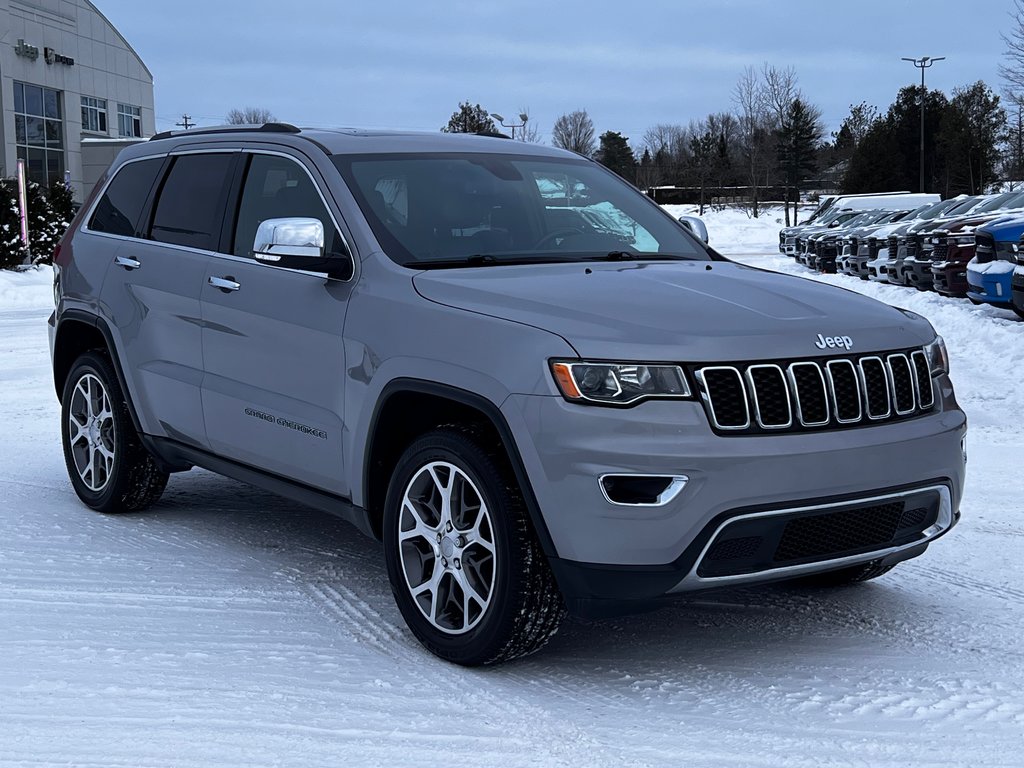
column 752, row 384
column 706, row 394
column 793, row 373
column 833, row 393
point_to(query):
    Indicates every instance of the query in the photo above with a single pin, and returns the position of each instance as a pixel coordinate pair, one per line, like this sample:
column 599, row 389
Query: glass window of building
column 129, row 121
column 94, row 114
column 39, row 132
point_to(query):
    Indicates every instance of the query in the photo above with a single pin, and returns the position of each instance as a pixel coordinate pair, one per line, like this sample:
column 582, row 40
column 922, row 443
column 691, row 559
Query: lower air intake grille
column 836, row 532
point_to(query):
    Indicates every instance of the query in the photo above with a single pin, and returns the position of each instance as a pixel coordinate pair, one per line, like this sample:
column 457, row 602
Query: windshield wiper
column 482, row 260
column 639, row 256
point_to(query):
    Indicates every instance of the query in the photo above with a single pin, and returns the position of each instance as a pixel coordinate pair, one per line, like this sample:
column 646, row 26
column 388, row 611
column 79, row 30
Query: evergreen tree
column 798, row 138
column 888, row 157
column 470, row 118
column 968, row 139
column 704, row 157
column 615, row 154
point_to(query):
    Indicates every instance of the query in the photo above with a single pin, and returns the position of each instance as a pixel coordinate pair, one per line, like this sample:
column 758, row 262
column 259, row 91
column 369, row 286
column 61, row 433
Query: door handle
column 127, row 262
column 226, row 284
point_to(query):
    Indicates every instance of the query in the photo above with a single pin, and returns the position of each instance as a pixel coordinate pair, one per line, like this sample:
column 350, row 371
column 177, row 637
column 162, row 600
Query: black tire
column 1019, row 311
column 524, row 607
column 134, row 481
column 975, row 301
column 855, row 574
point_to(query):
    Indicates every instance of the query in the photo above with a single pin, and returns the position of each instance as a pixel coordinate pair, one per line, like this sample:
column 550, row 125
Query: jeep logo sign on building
column 76, row 88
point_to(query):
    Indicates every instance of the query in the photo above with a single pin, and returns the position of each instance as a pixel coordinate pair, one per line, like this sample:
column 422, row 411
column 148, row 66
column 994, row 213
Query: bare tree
column 529, row 132
column 1012, row 70
column 250, row 116
column 575, row 132
column 780, row 92
column 668, row 145
column 752, row 117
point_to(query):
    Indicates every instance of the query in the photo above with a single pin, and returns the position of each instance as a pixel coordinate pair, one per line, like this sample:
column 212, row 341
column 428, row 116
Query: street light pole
column 923, row 63
column 522, row 116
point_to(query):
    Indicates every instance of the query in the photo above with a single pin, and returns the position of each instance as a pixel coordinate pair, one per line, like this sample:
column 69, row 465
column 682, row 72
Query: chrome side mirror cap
column 280, row 238
column 696, row 226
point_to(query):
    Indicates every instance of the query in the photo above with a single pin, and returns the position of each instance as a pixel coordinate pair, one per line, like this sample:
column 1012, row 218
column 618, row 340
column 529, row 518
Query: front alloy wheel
column 465, row 566
column 447, row 547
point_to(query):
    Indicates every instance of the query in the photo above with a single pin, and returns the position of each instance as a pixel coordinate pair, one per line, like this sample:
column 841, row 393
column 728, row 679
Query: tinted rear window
column 118, row 211
column 190, row 209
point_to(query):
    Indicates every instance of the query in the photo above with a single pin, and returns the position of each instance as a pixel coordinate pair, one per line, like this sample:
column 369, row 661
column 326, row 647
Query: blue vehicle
column 990, row 272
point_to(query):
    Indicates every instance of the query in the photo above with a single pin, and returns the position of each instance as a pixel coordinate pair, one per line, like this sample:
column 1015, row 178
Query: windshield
column 995, row 203
column 965, row 206
column 451, row 209
column 937, row 209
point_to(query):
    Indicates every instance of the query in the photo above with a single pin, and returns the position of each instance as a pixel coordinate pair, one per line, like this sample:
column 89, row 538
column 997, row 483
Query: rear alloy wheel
column 109, row 468
column 465, row 567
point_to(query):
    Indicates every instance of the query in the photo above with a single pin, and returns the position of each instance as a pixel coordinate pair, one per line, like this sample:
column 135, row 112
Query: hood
column 1004, row 230
column 686, row 311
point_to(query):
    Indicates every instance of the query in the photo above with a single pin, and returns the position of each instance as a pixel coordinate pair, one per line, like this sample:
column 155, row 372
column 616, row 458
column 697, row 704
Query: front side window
column 94, row 114
column 441, row 208
column 278, row 188
column 190, row 208
column 118, row 211
column 39, row 132
column 129, row 121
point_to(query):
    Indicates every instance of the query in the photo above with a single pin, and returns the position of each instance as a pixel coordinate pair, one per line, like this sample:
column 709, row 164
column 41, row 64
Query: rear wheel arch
column 79, row 332
column 409, row 408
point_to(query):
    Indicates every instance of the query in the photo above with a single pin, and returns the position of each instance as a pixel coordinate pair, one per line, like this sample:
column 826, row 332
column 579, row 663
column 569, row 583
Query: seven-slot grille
column 893, row 246
column 757, row 398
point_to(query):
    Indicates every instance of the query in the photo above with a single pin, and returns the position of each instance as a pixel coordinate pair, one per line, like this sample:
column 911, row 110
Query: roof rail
column 493, row 134
column 257, row 127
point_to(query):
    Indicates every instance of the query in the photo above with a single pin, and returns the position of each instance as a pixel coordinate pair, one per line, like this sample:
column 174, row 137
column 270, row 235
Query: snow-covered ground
column 229, row 627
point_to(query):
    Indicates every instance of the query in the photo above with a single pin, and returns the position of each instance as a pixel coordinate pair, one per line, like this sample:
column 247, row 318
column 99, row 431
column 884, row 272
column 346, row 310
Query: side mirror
column 298, row 243
column 696, row 226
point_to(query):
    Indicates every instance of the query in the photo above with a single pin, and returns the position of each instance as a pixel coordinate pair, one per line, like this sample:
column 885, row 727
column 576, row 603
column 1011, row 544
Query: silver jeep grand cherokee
column 535, row 387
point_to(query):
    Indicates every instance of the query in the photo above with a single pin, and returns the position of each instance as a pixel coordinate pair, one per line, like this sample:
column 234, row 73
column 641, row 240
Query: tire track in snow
column 522, row 720
column 968, row 583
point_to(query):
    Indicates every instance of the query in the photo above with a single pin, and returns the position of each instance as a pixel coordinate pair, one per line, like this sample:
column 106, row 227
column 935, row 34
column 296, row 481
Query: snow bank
column 735, row 228
column 26, row 290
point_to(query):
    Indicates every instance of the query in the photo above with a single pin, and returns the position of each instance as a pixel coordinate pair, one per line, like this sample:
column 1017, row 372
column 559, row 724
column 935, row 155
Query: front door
column 273, row 391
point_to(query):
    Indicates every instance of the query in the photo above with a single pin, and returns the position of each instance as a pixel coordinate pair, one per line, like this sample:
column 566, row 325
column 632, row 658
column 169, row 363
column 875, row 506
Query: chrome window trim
column 918, row 389
column 757, row 405
column 228, row 256
column 796, row 393
column 943, row 523
column 892, row 383
column 675, row 487
column 864, row 386
column 705, row 395
column 857, row 387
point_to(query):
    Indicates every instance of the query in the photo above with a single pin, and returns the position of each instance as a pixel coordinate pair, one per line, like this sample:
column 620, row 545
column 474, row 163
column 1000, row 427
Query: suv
column 539, row 390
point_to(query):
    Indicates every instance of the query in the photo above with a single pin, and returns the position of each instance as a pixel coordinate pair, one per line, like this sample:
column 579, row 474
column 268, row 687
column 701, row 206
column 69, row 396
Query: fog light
column 641, row 490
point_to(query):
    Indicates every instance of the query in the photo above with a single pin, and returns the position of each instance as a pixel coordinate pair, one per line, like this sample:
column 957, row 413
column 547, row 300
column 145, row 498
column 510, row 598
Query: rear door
column 273, row 392
column 161, row 217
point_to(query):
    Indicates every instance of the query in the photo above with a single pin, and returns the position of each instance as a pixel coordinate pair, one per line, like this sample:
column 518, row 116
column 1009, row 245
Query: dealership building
column 72, row 91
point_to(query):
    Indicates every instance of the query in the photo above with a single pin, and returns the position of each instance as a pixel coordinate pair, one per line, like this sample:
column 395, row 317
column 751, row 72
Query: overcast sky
column 408, row 64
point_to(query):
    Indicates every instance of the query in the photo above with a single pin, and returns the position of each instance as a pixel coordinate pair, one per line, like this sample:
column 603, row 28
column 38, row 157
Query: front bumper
column 606, row 550
column 950, row 278
column 919, row 273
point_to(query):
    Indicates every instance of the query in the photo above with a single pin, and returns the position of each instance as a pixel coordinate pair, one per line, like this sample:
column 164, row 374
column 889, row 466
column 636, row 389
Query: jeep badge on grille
column 832, row 342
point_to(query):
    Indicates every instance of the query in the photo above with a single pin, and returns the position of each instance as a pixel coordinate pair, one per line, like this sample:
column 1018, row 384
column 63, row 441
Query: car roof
column 347, row 141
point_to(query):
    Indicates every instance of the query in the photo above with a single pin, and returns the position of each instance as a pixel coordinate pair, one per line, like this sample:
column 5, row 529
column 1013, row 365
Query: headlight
column 617, row 383
column 962, row 240
column 938, row 357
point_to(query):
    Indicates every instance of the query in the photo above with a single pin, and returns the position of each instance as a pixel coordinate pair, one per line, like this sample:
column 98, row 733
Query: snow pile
column 735, row 229
column 26, row 290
